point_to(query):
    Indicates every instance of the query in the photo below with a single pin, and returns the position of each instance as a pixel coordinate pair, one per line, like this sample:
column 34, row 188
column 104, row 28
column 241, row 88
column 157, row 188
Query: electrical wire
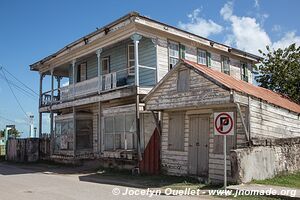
column 10, row 120
column 14, row 94
column 3, row 68
column 25, row 92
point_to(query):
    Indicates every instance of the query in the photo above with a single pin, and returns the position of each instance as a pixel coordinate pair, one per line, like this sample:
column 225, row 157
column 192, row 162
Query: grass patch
column 153, row 181
column 289, row 180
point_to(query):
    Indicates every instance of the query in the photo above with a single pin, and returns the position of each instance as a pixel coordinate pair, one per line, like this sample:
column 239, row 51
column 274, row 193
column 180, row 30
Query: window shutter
column 176, row 131
column 182, row 51
column 208, row 59
column 183, row 81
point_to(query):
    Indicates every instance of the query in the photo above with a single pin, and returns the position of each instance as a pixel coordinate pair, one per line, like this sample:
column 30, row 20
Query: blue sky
column 33, row 29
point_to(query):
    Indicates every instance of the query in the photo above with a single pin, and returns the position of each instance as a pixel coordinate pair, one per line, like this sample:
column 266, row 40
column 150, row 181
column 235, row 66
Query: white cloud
column 246, row 33
column 227, row 10
column 276, row 28
column 288, row 39
column 200, row 26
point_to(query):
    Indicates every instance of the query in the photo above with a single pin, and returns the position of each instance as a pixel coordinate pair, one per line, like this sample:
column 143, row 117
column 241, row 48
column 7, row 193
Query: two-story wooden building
column 100, row 114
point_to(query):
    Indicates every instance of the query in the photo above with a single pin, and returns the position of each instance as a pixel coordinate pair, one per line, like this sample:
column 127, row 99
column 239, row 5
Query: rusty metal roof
column 247, row 88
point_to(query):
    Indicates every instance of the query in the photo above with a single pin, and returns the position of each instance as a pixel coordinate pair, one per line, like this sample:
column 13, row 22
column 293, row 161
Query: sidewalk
column 267, row 189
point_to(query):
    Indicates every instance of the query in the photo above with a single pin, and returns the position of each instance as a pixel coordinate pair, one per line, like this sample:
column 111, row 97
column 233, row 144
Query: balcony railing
column 107, row 82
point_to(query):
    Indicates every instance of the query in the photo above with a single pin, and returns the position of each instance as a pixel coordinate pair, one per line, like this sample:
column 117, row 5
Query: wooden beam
column 243, row 122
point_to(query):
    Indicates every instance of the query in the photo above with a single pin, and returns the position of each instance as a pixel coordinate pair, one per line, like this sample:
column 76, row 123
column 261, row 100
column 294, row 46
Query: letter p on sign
column 224, row 123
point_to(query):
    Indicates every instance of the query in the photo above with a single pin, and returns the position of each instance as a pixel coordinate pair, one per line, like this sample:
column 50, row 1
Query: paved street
column 25, row 182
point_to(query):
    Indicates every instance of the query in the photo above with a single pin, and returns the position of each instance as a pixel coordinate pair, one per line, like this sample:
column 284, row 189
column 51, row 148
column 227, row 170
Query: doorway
column 198, row 145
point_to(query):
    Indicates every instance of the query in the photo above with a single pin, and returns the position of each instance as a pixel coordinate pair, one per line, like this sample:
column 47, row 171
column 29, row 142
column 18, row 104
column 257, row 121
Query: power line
column 25, row 92
column 3, row 68
column 14, row 94
column 10, row 120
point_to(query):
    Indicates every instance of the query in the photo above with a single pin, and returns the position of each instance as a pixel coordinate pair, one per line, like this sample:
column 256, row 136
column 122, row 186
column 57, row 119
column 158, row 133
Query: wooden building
column 189, row 95
column 100, row 114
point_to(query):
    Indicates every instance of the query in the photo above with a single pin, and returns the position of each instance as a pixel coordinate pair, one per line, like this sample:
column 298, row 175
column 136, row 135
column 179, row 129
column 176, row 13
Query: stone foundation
column 265, row 159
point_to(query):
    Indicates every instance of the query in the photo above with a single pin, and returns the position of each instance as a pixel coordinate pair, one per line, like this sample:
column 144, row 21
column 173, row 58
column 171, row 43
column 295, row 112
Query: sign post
column 224, row 125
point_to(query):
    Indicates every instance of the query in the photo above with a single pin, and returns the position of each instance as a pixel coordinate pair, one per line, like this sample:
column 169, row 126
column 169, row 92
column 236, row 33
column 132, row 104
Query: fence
column 2, row 150
column 28, row 150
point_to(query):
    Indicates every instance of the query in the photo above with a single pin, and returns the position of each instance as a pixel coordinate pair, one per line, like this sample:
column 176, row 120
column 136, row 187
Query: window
column 119, row 132
column 173, row 54
column 176, row 131
column 105, row 65
column 130, row 59
column 183, row 81
column 244, row 71
column 81, row 72
column 225, row 65
column 202, row 57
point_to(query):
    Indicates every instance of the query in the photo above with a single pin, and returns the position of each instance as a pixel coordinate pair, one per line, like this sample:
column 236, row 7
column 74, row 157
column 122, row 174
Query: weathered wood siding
column 176, row 162
column 191, row 54
column 162, row 58
column 202, row 92
column 96, row 128
column 147, row 57
column 118, row 61
column 268, row 121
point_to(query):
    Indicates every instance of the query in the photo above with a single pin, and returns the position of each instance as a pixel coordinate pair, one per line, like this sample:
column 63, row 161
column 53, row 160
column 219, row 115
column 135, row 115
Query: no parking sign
column 224, row 123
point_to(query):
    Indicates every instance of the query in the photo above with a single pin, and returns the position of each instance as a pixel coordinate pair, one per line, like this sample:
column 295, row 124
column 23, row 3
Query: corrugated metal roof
column 244, row 87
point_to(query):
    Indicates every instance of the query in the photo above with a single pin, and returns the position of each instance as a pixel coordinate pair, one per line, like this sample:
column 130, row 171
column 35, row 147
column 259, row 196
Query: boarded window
column 176, row 131
column 183, row 82
column 219, row 141
column 84, row 134
column 119, row 132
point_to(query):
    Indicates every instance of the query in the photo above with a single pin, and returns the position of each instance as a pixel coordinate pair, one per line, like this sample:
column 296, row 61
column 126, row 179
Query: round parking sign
column 224, row 123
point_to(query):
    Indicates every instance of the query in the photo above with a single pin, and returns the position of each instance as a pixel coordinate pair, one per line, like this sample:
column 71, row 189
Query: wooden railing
column 107, row 82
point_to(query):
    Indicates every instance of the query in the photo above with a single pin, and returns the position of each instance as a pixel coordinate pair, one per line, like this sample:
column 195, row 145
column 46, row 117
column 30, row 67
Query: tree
column 2, row 133
column 13, row 133
column 280, row 71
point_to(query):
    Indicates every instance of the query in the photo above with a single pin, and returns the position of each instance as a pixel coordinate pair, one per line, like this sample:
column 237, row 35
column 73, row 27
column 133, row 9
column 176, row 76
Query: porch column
column 51, row 112
column 58, row 78
column 136, row 38
column 40, row 105
column 74, row 130
column 73, row 74
column 98, row 52
column 52, row 86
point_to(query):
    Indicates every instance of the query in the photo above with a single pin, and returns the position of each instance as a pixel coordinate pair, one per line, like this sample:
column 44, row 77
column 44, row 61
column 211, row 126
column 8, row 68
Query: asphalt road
column 19, row 182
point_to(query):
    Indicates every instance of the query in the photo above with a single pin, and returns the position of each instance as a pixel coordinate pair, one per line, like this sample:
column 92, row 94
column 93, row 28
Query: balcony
column 107, row 82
